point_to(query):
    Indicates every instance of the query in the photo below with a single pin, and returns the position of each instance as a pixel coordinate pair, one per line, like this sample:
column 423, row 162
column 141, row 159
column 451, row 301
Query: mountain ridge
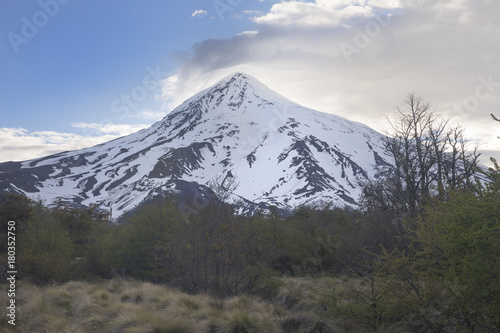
column 281, row 153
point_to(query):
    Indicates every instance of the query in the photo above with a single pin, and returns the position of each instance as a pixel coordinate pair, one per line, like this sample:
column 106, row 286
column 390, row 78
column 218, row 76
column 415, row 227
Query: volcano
column 280, row 153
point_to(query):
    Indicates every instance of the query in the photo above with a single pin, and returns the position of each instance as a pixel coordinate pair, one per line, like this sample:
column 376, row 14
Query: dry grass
column 301, row 305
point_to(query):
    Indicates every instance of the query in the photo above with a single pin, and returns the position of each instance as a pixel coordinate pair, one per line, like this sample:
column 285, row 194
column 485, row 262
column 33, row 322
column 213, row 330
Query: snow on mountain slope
column 281, row 153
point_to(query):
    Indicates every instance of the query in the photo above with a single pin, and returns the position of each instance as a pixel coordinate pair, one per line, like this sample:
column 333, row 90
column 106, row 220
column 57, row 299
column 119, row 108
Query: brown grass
column 301, row 305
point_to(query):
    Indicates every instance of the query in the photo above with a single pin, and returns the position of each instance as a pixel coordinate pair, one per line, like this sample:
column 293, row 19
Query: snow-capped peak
column 233, row 91
column 281, row 153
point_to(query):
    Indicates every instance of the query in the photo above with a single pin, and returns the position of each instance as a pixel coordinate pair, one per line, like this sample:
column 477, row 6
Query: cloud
column 324, row 12
column 112, row 129
column 149, row 115
column 359, row 59
column 248, row 33
column 199, row 13
column 171, row 93
column 19, row 144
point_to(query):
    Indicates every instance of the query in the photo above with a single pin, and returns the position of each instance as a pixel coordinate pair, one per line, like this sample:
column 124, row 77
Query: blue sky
column 76, row 73
column 91, row 52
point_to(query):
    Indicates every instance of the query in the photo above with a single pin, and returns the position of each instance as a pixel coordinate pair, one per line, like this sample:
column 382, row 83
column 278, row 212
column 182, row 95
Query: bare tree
column 223, row 186
column 428, row 158
column 495, row 118
column 462, row 160
column 415, row 143
column 216, row 248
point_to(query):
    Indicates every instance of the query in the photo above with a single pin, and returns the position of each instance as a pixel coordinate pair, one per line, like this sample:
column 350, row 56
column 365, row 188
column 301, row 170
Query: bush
column 449, row 276
column 46, row 251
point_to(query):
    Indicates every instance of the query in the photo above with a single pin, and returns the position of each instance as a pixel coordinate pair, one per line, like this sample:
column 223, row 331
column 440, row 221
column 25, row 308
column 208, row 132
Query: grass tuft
column 301, row 305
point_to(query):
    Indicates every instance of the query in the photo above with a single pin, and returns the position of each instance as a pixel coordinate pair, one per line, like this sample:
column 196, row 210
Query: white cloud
column 19, row 144
column 171, row 93
column 199, row 13
column 248, row 33
column 110, row 128
column 149, row 115
column 323, row 13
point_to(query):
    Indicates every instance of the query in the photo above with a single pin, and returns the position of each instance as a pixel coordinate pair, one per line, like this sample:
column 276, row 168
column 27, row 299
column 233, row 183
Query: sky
column 77, row 73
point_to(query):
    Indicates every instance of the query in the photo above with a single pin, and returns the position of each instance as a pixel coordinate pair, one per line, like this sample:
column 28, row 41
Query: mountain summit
column 281, row 154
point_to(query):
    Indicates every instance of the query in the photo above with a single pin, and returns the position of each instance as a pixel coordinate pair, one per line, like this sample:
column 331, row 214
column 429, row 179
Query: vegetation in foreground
column 118, row 305
column 423, row 255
